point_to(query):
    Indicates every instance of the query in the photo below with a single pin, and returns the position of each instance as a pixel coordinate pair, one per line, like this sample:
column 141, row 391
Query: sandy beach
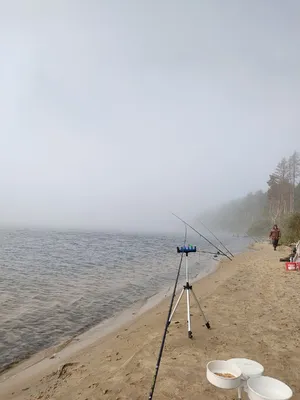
column 252, row 304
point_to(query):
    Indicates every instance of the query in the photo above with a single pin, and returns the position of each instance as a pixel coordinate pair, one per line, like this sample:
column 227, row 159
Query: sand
column 252, row 304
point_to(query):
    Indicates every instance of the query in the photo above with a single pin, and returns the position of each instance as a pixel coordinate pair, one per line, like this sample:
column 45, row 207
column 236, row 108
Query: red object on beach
column 292, row 266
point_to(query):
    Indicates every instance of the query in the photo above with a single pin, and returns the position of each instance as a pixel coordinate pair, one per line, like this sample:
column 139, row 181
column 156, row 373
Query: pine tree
column 282, row 171
column 297, row 198
column 293, row 174
column 280, row 190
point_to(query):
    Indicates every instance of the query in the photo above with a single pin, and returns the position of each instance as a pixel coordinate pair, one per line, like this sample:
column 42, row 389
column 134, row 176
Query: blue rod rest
column 186, row 249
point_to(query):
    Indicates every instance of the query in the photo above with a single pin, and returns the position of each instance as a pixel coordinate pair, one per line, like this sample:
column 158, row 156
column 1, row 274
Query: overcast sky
column 115, row 113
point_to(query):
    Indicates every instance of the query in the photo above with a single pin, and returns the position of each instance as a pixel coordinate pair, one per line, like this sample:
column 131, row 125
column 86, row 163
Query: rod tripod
column 188, row 288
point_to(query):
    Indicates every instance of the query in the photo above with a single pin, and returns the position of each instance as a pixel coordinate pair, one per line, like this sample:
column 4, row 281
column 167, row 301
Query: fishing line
column 208, row 241
column 216, row 238
column 167, row 324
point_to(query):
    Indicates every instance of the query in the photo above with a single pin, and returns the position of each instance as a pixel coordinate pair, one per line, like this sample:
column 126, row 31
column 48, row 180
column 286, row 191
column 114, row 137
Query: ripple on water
column 54, row 284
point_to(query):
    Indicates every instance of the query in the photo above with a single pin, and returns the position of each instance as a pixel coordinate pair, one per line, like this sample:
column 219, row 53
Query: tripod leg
column 190, row 334
column 176, row 305
column 239, row 393
column 207, row 324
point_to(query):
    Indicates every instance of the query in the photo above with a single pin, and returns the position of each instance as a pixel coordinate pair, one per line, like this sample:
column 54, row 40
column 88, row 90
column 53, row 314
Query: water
column 55, row 284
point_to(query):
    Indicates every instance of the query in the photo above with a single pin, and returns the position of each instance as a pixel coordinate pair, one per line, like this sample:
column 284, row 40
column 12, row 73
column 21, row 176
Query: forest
column 255, row 213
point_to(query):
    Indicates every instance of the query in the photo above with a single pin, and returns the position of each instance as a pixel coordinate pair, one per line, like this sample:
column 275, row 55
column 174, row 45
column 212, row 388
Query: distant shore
column 251, row 304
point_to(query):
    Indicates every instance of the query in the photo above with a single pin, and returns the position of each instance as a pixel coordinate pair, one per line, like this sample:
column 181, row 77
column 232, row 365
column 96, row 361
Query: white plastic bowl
column 267, row 388
column 221, row 366
column 249, row 368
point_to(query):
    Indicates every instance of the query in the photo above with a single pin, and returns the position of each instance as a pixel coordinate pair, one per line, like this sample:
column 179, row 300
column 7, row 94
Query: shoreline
column 80, row 341
column 248, row 303
column 51, row 357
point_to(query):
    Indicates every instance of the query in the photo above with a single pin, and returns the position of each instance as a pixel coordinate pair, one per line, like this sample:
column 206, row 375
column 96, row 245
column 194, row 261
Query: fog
column 116, row 113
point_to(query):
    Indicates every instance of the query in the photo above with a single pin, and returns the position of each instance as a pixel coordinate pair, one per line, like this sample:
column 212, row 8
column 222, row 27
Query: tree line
column 256, row 212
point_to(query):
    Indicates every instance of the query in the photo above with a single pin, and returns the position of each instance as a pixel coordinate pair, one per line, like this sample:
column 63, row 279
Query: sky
column 116, row 113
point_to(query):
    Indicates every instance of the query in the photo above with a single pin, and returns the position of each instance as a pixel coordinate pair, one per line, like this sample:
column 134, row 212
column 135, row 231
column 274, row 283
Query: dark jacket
column 275, row 234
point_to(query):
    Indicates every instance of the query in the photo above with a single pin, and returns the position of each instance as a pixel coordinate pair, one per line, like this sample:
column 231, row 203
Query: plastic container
column 292, row 266
column 267, row 388
column 223, row 367
column 249, row 368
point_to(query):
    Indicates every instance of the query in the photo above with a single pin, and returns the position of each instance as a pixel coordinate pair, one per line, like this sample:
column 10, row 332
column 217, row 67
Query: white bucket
column 267, row 388
column 223, row 367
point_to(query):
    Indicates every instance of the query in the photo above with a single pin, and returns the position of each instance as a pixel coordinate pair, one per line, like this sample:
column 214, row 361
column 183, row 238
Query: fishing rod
column 168, row 321
column 167, row 325
column 216, row 238
column 208, row 241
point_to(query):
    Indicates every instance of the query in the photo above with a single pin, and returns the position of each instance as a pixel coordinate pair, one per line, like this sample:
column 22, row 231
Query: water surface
column 56, row 284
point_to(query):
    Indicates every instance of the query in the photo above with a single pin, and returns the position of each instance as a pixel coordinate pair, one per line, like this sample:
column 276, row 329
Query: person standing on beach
column 275, row 236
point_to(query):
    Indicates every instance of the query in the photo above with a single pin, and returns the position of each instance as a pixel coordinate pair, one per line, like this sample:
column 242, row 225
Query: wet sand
column 252, row 305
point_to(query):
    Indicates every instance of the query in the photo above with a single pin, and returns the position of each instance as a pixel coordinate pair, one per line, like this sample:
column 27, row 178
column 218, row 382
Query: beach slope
column 252, row 304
